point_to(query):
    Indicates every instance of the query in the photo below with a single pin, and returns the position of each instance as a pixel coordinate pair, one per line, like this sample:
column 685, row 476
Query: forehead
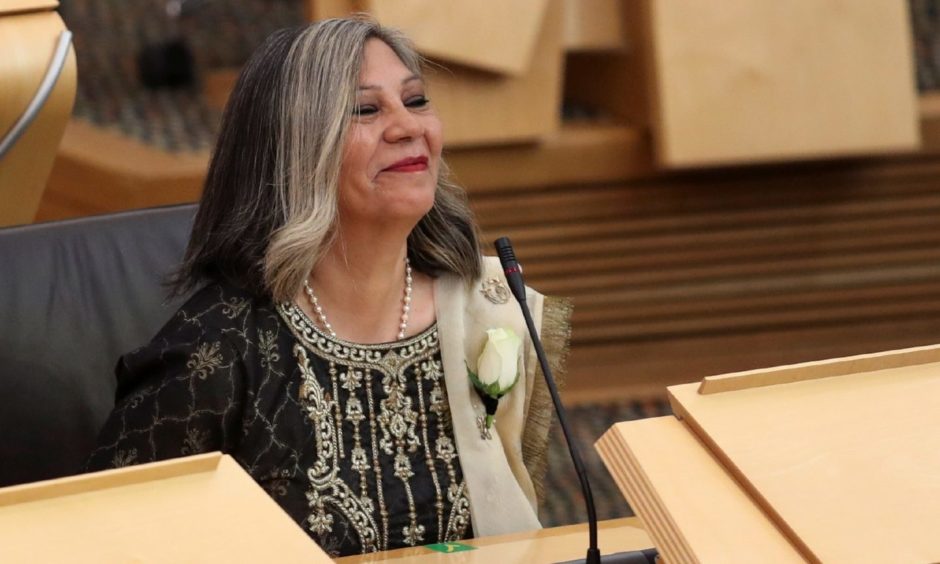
column 380, row 63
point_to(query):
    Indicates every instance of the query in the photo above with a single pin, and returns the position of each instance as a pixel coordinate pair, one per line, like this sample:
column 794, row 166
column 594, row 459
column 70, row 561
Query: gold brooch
column 495, row 291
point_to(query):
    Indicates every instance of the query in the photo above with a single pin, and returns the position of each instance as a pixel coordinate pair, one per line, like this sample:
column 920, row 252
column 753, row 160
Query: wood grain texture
column 541, row 545
column 692, row 508
column 28, row 41
column 210, row 508
column 98, row 171
column 677, row 277
column 819, row 369
column 500, row 37
column 21, row 6
column 593, row 25
column 479, row 108
column 790, row 80
column 823, row 455
column 501, row 77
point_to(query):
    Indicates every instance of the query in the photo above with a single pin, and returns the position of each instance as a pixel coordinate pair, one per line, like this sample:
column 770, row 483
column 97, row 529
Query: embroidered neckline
column 304, row 325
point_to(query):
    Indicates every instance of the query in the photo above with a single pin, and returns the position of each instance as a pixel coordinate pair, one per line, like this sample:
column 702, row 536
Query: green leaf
column 493, row 389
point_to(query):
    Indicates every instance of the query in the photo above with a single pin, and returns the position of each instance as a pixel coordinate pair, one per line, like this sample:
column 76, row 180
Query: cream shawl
column 502, row 473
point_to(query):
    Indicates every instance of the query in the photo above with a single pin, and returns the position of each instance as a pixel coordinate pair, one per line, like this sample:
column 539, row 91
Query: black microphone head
column 507, row 257
column 511, row 268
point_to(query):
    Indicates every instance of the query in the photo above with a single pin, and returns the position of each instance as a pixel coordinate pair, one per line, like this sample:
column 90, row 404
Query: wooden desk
column 546, row 545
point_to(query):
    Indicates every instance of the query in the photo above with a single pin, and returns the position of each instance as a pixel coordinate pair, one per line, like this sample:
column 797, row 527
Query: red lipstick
column 411, row 164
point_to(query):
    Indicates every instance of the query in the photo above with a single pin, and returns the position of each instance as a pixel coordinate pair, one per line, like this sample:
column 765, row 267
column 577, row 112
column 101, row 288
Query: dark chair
column 74, row 296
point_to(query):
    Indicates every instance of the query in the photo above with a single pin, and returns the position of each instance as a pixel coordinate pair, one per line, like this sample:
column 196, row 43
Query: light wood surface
column 759, row 81
column 479, row 108
column 819, row 369
column 501, row 77
column 15, row 6
column 592, row 25
column 534, row 547
column 28, row 41
column 98, row 170
column 201, row 509
column 847, row 465
column 693, row 509
column 576, row 154
column 315, row 10
column 498, row 37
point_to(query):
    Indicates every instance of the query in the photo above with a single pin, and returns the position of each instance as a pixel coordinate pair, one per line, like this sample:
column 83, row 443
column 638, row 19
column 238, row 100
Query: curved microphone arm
column 513, row 271
column 42, row 94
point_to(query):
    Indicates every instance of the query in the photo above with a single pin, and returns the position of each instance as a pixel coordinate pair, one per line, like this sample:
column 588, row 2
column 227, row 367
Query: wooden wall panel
column 686, row 275
column 742, row 81
column 674, row 276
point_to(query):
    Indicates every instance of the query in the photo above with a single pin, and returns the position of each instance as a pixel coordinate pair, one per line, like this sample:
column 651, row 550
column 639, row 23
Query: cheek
column 357, row 154
column 435, row 135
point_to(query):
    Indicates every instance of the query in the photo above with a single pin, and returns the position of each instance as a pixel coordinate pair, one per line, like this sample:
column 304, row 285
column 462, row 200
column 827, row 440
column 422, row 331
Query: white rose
column 499, row 361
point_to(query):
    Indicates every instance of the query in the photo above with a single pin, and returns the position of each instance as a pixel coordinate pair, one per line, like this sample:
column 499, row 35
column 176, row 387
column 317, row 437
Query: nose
column 403, row 125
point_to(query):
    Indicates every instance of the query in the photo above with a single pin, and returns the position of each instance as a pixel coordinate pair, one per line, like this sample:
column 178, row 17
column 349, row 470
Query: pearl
column 405, row 308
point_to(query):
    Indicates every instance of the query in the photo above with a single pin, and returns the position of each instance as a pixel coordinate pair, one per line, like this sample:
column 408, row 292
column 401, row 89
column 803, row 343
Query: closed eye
column 365, row 110
column 417, row 102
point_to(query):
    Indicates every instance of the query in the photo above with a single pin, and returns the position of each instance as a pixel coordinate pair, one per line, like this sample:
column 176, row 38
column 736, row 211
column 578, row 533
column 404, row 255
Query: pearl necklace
column 405, row 305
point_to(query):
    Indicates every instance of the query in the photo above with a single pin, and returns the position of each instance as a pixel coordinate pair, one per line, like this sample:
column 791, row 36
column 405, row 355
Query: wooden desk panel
column 546, row 545
column 694, row 510
column 832, row 444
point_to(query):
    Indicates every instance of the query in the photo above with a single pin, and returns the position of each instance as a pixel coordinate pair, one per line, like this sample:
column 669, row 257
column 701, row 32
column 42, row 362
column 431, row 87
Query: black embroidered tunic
column 354, row 441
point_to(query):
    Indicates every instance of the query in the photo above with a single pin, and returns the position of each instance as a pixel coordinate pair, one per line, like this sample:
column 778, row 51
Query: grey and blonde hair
column 269, row 206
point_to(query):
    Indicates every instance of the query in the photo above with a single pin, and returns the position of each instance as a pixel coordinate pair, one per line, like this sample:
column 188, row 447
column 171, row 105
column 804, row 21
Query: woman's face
column 393, row 147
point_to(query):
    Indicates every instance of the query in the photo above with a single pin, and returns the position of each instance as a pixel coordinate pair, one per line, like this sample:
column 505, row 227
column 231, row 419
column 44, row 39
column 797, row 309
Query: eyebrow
column 411, row 78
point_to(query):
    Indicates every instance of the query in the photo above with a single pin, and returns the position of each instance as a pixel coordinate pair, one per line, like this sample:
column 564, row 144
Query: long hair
column 269, row 205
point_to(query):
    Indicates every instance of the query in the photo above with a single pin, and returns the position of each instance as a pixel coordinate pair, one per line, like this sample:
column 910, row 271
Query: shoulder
column 218, row 308
column 490, row 288
column 213, row 326
column 479, row 305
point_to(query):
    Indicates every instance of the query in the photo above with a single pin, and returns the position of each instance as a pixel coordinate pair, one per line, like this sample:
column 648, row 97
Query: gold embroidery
column 195, row 442
column 267, row 345
column 124, row 458
column 370, row 400
column 326, row 489
column 459, row 513
column 556, row 336
column 205, row 360
column 234, row 307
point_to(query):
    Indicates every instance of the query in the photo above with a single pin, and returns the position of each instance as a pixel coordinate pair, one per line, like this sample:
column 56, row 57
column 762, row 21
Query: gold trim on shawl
column 555, row 334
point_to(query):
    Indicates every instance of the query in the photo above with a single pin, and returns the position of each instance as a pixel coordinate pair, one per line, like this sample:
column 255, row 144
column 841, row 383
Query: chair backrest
column 74, row 296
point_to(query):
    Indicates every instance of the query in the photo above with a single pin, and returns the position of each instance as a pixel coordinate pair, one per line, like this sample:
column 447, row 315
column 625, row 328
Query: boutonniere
column 497, row 372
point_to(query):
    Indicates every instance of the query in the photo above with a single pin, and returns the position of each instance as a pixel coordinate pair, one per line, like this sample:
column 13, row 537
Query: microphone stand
column 513, row 272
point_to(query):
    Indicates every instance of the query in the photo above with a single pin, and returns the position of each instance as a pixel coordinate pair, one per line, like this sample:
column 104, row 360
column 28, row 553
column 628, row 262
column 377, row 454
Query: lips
column 411, row 164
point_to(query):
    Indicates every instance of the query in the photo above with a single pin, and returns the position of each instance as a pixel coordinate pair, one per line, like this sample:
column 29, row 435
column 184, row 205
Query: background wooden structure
column 795, row 459
column 745, row 81
column 29, row 30
column 674, row 275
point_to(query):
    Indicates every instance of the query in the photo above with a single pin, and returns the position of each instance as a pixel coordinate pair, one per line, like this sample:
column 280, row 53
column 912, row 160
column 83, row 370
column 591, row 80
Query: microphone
column 513, row 271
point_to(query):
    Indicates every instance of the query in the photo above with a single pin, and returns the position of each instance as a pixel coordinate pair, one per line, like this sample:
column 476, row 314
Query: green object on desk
column 450, row 547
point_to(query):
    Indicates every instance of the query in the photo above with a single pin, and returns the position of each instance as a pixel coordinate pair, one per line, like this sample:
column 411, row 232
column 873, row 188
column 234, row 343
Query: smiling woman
column 341, row 302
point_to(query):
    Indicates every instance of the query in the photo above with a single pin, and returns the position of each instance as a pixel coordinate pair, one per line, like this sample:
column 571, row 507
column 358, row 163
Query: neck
column 360, row 288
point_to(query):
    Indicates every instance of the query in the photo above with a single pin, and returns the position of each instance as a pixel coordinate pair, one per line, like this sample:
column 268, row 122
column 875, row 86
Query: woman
column 343, row 304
